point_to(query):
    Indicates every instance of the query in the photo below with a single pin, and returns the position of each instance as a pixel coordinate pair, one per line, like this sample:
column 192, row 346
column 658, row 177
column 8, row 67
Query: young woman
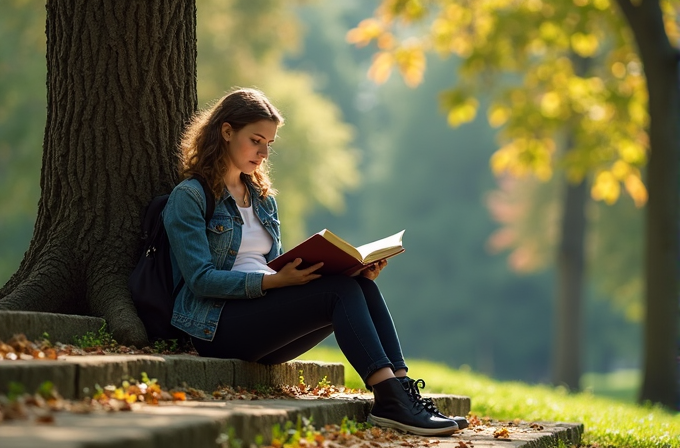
column 234, row 306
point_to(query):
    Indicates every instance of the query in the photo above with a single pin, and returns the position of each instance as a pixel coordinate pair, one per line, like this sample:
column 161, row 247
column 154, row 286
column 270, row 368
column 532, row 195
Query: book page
column 383, row 248
column 341, row 244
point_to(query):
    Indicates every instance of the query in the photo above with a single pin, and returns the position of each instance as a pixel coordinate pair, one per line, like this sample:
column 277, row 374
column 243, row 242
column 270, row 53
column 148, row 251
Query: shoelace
column 427, row 403
column 416, row 400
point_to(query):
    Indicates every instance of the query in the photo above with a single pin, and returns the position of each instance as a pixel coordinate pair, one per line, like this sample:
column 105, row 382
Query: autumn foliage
column 562, row 62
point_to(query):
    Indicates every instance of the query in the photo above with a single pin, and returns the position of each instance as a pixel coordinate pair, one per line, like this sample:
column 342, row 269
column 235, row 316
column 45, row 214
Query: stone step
column 77, row 376
column 193, row 424
column 523, row 436
column 202, row 424
column 60, row 327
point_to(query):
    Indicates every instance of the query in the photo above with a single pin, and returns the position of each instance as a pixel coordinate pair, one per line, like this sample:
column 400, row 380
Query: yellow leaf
column 605, row 188
column 636, row 189
column 551, row 104
column 386, row 41
column 524, row 156
column 365, row 32
column 411, row 63
column 381, row 68
column 500, row 160
column 618, row 69
column 585, row 45
column 498, row 115
column 637, row 112
column 463, row 112
column 549, row 31
column 620, row 170
column 631, row 152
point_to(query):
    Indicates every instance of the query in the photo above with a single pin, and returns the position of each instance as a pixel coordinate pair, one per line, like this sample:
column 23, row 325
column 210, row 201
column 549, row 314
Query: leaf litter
column 19, row 348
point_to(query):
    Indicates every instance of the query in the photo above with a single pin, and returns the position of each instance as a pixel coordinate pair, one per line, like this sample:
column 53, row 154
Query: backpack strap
column 209, row 198
column 209, row 211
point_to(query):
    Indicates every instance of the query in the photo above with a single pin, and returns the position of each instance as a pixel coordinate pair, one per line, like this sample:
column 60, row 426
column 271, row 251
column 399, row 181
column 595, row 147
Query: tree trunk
column 660, row 61
column 570, row 267
column 121, row 83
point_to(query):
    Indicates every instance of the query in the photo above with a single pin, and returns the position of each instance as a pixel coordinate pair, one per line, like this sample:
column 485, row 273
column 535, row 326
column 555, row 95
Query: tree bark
column 660, row 61
column 570, row 276
column 121, row 84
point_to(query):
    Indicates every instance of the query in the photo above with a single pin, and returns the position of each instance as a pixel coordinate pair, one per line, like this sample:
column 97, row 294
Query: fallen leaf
column 501, row 433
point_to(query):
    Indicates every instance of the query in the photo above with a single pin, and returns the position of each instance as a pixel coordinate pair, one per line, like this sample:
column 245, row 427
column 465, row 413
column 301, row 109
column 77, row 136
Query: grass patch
column 102, row 339
column 622, row 385
column 608, row 422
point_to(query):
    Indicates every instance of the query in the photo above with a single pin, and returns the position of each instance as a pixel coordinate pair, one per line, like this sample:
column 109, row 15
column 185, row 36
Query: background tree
column 604, row 106
column 662, row 250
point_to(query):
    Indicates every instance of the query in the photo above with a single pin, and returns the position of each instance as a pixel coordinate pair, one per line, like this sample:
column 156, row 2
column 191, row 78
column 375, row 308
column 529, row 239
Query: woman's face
column 249, row 146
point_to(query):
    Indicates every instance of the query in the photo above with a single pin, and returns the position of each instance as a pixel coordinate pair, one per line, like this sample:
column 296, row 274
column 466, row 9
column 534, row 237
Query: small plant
column 303, row 434
column 47, row 390
column 301, row 378
column 228, row 439
column 146, row 380
column 323, row 383
column 264, row 389
column 349, row 426
column 46, row 339
column 292, row 434
column 102, row 339
column 15, row 391
column 165, row 345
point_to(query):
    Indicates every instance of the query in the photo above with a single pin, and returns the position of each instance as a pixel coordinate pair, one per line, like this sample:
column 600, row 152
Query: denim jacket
column 204, row 257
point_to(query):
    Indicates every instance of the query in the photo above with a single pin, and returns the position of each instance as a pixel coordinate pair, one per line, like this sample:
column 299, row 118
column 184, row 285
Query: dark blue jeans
column 288, row 321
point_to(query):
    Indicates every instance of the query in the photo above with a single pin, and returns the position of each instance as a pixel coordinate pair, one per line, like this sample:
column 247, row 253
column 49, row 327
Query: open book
column 338, row 255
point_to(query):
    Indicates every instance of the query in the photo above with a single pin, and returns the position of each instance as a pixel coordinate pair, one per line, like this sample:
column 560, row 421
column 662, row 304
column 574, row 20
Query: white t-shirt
column 255, row 244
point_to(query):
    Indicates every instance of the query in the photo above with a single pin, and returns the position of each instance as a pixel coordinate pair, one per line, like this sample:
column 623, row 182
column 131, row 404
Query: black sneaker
column 428, row 403
column 395, row 407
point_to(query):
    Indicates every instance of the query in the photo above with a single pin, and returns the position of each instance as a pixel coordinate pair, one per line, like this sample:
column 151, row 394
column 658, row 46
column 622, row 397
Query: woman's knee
column 342, row 284
column 347, row 289
column 369, row 289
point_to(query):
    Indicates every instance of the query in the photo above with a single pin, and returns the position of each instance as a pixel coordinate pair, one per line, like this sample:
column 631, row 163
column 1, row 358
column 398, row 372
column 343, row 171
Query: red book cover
column 338, row 256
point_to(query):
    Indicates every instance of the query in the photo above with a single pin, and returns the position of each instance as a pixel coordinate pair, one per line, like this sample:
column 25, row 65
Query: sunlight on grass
column 621, row 385
column 607, row 422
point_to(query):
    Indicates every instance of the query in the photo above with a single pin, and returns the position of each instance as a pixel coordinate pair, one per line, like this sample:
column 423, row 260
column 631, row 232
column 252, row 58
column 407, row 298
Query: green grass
column 608, row 422
column 621, row 385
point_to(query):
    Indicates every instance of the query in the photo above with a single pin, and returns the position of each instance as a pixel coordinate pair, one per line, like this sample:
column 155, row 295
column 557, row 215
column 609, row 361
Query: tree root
column 57, row 285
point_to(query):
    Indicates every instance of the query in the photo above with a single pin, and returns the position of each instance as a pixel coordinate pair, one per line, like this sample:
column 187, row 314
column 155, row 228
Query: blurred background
column 378, row 158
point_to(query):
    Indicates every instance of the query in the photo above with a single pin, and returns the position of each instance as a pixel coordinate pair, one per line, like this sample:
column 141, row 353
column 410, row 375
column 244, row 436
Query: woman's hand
column 290, row 275
column 373, row 271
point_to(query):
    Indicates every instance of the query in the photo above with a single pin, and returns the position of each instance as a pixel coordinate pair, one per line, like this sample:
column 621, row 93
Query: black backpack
column 151, row 283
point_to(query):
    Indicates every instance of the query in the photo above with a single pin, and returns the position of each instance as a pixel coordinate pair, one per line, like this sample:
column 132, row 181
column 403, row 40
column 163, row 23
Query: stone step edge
column 548, row 436
column 195, row 424
column 59, row 327
column 77, row 376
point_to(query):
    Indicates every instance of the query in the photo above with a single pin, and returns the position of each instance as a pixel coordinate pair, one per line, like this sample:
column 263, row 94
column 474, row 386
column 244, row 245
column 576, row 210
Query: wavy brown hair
column 203, row 150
